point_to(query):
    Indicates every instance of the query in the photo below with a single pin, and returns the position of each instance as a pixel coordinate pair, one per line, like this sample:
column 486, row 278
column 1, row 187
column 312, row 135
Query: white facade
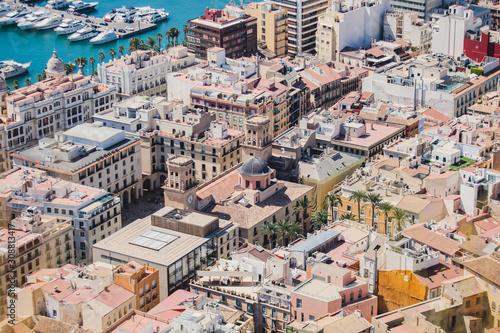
column 337, row 31
column 409, row 27
column 448, row 30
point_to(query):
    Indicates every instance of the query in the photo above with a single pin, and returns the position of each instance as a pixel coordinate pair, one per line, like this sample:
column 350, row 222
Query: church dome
column 254, row 167
column 55, row 64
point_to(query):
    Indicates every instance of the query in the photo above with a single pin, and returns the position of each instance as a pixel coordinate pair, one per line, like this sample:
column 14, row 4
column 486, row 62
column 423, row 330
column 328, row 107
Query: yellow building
column 272, row 26
column 142, row 281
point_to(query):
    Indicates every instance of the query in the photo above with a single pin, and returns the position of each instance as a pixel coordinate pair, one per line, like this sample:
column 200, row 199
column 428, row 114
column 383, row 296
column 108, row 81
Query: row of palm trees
column 375, row 201
column 151, row 43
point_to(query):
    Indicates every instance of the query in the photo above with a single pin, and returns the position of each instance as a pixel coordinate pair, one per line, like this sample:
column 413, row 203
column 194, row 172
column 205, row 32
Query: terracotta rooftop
column 487, row 266
column 435, row 114
column 432, row 239
column 257, row 252
column 433, row 276
column 114, row 295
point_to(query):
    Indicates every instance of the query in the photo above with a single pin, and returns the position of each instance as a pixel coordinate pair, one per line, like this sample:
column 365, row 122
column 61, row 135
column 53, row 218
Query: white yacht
column 29, row 21
column 110, row 15
column 10, row 68
column 105, row 37
column 153, row 16
column 80, row 6
column 125, row 14
column 57, row 4
column 4, row 9
column 69, row 26
column 14, row 16
column 49, row 22
column 84, row 33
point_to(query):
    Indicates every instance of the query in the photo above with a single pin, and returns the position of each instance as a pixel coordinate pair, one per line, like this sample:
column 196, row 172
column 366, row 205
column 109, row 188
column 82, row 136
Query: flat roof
column 372, row 137
column 314, row 241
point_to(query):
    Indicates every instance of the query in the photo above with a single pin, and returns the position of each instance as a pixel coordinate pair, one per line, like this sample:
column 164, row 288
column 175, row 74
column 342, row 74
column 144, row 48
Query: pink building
column 329, row 289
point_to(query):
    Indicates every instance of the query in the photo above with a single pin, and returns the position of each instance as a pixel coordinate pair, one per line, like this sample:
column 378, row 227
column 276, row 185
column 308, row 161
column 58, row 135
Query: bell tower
column 258, row 138
column 180, row 187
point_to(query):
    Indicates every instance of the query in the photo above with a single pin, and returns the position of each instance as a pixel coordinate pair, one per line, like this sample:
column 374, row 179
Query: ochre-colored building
column 142, row 281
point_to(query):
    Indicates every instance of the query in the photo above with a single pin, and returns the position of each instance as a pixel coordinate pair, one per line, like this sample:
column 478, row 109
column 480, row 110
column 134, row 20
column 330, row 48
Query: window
column 467, row 304
column 299, row 303
column 478, row 300
column 263, row 309
column 311, row 317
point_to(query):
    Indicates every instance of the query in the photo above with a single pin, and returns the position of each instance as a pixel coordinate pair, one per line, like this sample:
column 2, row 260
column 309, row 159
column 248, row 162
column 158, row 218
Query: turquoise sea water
column 37, row 46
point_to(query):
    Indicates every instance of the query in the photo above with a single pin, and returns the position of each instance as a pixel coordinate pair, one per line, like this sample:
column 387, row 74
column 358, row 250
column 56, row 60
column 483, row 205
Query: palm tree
column 332, row 200
column 185, row 30
column 358, row 196
column 387, row 208
column 92, row 62
column 112, row 54
column 151, row 43
column 159, row 37
column 38, row 77
column 27, row 82
column 70, row 68
column 121, row 49
column 175, row 35
column 302, row 206
column 81, row 62
column 283, row 229
column 133, row 44
column 348, row 216
column 294, row 231
column 374, row 199
column 270, row 229
column 168, row 34
column 319, row 218
column 400, row 219
column 15, row 84
column 101, row 56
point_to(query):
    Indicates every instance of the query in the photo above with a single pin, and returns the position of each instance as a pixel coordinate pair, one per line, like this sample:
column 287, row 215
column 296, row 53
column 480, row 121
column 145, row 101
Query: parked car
column 103, row 23
column 129, row 28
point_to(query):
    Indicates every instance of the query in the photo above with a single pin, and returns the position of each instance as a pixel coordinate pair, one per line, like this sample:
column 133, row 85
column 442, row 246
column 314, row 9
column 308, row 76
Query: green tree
column 81, row 62
column 348, row 216
column 270, row 229
column 121, row 49
column 151, row 43
column 358, row 196
column 185, row 30
column 133, row 44
column 38, row 77
column 301, row 207
column 101, row 56
column 374, row 200
column 400, row 219
column 332, row 200
column 15, row 84
column 172, row 34
column 27, row 82
column 70, row 68
column 283, row 229
column 319, row 218
column 294, row 231
column 387, row 208
column 112, row 54
column 159, row 37
column 92, row 62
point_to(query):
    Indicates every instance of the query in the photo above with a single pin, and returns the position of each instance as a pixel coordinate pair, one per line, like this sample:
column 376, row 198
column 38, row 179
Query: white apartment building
column 94, row 213
column 90, row 154
column 449, row 29
column 409, row 27
column 48, row 106
column 143, row 72
column 423, row 8
column 302, row 23
column 337, row 31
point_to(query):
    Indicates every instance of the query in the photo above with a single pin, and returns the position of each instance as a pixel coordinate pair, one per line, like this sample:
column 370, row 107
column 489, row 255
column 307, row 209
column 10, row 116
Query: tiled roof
column 432, row 239
column 257, row 252
column 433, row 113
column 433, row 276
column 487, row 266
column 466, row 286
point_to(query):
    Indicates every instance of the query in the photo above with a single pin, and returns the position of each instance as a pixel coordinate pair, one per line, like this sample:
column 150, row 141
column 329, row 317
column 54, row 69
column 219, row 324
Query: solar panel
column 154, row 240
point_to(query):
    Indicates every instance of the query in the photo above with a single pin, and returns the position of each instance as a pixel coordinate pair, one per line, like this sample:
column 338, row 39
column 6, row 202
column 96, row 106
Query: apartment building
column 76, row 295
column 253, row 97
column 142, row 280
column 428, row 80
column 40, row 241
column 424, row 8
column 302, row 23
column 409, row 27
column 229, row 28
column 336, row 31
column 90, row 154
column 42, row 109
column 324, row 84
column 143, row 72
column 272, row 26
column 93, row 213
